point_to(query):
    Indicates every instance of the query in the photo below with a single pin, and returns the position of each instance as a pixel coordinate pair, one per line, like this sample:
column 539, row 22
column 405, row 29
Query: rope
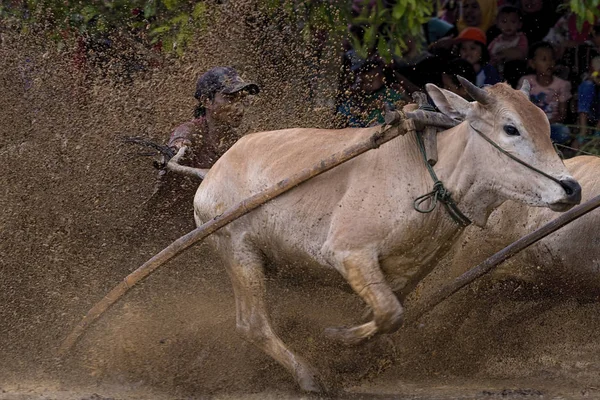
column 577, row 150
column 439, row 193
column 531, row 167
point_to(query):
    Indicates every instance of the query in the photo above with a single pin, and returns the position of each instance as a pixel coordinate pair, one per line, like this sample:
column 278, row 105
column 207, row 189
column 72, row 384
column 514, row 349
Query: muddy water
column 74, row 222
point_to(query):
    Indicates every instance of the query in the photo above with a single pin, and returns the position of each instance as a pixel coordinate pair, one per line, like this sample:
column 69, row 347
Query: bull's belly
column 301, row 253
column 405, row 267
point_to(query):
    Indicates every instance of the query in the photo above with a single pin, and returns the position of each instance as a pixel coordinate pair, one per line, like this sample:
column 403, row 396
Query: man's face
column 370, row 81
column 509, row 23
column 471, row 13
column 228, row 109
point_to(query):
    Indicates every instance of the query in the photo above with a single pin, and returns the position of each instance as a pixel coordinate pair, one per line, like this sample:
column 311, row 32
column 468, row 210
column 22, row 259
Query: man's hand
column 162, row 160
column 179, row 143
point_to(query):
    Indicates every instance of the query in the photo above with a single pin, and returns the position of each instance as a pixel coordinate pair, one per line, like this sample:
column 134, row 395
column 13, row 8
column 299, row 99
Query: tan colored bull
column 359, row 218
column 568, row 260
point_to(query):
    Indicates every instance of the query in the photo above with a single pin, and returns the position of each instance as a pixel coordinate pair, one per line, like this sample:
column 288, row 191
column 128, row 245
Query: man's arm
column 182, row 139
column 173, row 165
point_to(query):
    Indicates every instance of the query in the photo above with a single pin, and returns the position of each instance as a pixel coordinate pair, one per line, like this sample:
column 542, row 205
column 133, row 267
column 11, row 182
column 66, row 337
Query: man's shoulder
column 194, row 125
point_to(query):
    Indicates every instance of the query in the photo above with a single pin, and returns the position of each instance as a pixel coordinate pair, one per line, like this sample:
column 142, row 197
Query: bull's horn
column 478, row 94
column 525, row 87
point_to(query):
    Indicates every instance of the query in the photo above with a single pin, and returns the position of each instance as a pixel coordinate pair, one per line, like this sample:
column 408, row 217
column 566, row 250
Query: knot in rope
column 439, row 193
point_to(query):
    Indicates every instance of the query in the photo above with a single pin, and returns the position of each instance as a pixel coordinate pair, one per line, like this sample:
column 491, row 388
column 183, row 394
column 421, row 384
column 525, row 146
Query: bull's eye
column 511, row 130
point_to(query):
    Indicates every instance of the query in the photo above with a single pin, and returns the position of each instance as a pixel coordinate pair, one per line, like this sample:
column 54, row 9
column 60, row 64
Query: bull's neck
column 461, row 156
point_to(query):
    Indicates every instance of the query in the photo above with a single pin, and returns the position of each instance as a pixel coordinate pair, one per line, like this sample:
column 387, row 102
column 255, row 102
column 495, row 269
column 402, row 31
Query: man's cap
column 472, row 33
column 222, row 80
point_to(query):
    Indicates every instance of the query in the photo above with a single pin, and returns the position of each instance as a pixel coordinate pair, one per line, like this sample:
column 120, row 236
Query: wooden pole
column 492, row 262
column 377, row 139
column 429, row 132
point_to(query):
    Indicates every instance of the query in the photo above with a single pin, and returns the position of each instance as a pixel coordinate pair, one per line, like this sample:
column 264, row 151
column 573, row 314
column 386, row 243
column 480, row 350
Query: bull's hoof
column 351, row 336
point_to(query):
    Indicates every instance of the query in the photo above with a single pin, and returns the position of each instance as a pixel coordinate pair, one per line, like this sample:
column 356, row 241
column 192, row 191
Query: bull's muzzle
column 573, row 191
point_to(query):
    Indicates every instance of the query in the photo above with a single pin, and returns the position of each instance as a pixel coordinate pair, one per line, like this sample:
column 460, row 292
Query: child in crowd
column 450, row 80
column 511, row 44
column 371, row 92
column 588, row 92
column 472, row 47
column 549, row 92
column 538, row 17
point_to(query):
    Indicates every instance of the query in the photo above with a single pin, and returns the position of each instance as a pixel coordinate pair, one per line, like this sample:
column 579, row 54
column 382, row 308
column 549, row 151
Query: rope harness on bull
column 439, row 193
column 506, row 153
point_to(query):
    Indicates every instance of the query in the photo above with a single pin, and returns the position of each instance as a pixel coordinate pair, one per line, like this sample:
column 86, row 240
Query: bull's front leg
column 362, row 271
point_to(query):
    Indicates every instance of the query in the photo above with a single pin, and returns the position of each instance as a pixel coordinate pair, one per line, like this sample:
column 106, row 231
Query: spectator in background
column 372, row 90
column 589, row 102
column 579, row 59
column 511, row 44
column 549, row 92
column 477, row 13
column 472, row 47
column 565, row 35
column 436, row 29
column 450, row 80
column 416, row 68
column 538, row 17
column 439, row 35
column 450, row 11
column 588, row 92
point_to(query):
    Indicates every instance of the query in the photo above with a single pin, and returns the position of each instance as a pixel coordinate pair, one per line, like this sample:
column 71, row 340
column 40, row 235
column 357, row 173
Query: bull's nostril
column 572, row 189
column 568, row 190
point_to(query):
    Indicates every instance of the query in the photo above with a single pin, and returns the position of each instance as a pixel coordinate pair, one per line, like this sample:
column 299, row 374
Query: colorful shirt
column 501, row 43
column 548, row 98
column 488, row 75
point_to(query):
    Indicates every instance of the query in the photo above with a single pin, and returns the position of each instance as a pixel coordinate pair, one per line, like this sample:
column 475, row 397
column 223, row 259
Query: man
column 222, row 100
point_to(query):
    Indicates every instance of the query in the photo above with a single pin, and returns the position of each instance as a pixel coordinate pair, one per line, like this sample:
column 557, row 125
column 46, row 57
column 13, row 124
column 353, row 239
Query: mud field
column 74, row 221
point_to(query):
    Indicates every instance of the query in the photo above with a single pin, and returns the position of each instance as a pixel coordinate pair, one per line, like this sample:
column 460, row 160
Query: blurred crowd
column 485, row 41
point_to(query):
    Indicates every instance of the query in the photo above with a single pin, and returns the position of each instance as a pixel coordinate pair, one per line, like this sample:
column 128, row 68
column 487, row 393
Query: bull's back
column 301, row 216
column 262, row 159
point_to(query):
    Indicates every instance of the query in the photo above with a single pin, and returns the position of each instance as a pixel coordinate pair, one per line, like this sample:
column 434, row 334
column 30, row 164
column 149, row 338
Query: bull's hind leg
column 364, row 275
column 246, row 270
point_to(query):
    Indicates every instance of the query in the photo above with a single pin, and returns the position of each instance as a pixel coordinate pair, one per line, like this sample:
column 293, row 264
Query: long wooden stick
column 228, row 216
column 492, row 262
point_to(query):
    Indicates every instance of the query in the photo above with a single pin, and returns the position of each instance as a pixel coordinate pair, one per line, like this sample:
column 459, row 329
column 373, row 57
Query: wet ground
column 75, row 220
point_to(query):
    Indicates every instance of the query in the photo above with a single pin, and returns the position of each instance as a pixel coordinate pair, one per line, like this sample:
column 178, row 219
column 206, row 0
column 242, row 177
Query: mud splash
column 74, row 221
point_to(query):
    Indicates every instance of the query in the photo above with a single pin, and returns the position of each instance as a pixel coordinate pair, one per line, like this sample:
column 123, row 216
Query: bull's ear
column 449, row 103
